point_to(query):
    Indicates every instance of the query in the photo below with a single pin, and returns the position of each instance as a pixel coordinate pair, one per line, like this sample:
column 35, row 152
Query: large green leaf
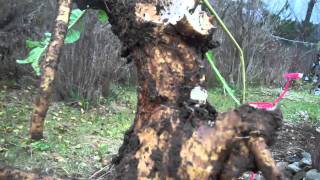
column 210, row 58
column 43, row 42
column 32, row 44
column 37, row 50
column 33, row 58
column 72, row 36
column 318, row 46
column 75, row 26
column 102, row 16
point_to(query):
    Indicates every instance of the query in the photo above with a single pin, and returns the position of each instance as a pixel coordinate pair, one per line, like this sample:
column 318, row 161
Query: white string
column 294, row 41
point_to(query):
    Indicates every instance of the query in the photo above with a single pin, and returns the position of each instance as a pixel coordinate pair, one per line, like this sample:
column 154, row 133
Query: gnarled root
column 169, row 149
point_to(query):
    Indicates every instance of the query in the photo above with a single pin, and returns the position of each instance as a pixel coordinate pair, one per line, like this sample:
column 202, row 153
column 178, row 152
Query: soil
column 293, row 139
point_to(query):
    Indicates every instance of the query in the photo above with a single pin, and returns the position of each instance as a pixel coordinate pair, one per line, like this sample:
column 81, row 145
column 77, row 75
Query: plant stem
column 220, row 77
column 214, row 13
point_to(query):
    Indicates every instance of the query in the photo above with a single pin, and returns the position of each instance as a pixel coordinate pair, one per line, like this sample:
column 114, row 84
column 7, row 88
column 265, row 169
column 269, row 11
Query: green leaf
column 75, row 26
column 36, row 67
column 318, row 46
column 43, row 42
column 103, row 149
column 40, row 145
column 72, row 36
column 33, row 54
column 102, row 16
column 210, row 58
column 32, row 44
column 47, row 35
column 37, row 50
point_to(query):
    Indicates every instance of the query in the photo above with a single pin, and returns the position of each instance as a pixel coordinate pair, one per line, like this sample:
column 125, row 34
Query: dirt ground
column 293, row 139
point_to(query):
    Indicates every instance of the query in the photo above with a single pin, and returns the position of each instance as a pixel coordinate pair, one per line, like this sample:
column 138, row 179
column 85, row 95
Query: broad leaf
column 32, row 44
column 33, row 54
column 47, row 35
column 72, row 36
column 37, row 50
column 102, row 16
column 75, row 26
column 34, row 57
column 44, row 42
column 210, row 58
column 318, row 46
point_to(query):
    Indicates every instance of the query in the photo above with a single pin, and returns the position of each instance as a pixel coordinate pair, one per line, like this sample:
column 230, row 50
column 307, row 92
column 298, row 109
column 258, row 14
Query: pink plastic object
column 291, row 76
column 252, row 175
column 272, row 105
column 263, row 105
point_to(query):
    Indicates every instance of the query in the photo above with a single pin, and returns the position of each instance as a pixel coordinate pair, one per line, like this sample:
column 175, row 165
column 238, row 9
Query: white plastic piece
column 317, row 92
column 199, row 94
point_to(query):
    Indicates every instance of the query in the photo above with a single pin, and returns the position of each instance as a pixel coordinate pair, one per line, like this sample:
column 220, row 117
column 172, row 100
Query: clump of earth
column 296, row 151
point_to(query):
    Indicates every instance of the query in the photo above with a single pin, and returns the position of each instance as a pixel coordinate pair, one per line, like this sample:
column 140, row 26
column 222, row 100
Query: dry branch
column 49, row 68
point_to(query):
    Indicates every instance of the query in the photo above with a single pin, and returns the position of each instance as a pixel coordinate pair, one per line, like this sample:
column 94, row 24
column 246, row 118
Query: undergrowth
column 78, row 141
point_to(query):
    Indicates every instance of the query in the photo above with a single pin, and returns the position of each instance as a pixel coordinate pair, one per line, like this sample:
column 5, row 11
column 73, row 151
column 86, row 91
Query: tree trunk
column 309, row 11
column 49, row 66
column 306, row 28
column 173, row 136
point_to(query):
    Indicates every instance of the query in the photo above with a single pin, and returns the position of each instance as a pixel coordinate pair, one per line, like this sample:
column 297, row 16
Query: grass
column 78, row 142
column 296, row 106
column 81, row 140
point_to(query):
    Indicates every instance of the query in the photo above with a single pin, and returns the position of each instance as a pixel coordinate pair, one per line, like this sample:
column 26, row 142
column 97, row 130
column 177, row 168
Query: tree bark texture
column 174, row 137
column 49, row 66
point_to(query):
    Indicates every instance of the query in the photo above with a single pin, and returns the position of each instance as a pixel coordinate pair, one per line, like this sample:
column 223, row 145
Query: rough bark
column 49, row 66
column 172, row 136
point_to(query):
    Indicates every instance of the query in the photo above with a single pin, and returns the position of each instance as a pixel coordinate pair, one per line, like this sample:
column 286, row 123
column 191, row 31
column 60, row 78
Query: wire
column 294, row 41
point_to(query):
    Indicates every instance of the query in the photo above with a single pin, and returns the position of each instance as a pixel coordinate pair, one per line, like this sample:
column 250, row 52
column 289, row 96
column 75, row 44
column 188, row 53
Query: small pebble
column 294, row 167
column 306, row 160
column 313, row 174
column 299, row 175
column 259, row 177
column 292, row 158
column 282, row 165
